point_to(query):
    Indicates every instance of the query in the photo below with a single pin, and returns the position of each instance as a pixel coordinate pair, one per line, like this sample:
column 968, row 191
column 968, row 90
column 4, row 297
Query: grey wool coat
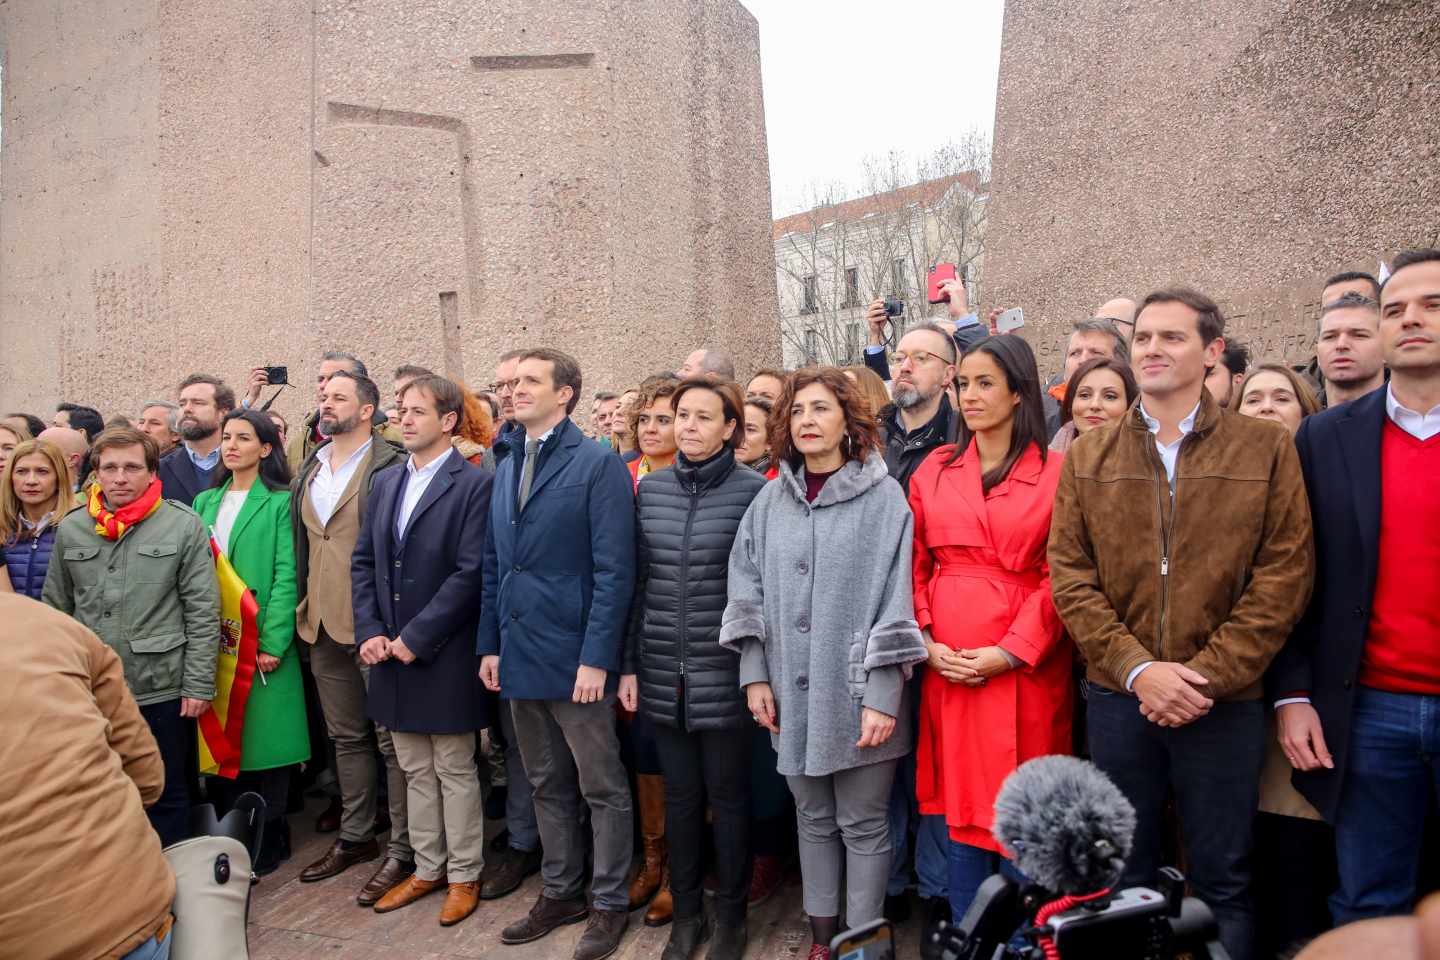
column 820, row 607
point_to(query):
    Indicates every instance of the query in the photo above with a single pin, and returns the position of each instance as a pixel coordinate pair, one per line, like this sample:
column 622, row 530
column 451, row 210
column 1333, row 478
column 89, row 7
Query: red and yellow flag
column 221, row 726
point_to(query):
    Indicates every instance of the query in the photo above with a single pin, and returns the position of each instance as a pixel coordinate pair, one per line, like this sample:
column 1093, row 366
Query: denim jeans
column 969, row 867
column 1213, row 766
column 1393, row 767
column 153, row 949
column 932, row 838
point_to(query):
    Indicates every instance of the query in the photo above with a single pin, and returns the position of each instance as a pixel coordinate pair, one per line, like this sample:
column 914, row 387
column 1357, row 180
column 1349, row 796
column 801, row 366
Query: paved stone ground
column 294, row 921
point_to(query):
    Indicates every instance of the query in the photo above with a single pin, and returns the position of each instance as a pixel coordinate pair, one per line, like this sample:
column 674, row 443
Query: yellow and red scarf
column 113, row 524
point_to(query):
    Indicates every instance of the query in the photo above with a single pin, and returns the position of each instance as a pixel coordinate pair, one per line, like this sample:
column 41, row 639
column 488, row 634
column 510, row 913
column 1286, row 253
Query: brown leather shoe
column 460, row 901
column 391, row 872
column 662, row 906
column 407, row 891
column 338, row 859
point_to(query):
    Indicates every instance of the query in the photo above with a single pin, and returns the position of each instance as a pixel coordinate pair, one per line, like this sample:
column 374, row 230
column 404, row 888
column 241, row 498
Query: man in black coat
column 1357, row 688
column 416, row 583
column 188, row 469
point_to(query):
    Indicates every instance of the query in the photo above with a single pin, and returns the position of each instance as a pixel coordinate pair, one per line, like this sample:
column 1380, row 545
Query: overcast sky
column 851, row 79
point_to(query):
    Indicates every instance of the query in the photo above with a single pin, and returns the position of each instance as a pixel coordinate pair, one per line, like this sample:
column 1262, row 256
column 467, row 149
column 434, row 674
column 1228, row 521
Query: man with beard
column 328, row 503
column 186, row 470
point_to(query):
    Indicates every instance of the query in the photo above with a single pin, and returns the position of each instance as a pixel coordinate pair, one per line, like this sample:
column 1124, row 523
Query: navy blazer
column 425, row 589
column 178, row 480
column 558, row 575
column 1340, row 457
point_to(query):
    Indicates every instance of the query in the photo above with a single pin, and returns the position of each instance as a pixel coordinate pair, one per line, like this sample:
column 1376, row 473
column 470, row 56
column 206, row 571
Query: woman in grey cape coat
column 827, row 637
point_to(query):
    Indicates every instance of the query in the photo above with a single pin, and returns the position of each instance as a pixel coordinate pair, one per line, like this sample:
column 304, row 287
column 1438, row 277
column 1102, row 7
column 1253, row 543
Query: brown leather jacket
column 1213, row 576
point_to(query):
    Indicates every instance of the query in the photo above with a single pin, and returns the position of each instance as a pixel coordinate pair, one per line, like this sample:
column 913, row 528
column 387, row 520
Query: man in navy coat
column 415, row 579
column 559, row 571
column 1357, row 687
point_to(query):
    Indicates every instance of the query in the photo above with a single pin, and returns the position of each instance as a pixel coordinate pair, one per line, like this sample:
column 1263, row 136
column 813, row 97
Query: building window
column 852, row 286
column 810, row 295
column 898, row 286
column 812, row 346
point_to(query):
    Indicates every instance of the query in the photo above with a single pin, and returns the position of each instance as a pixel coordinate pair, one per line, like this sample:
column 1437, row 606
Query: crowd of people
column 839, row 605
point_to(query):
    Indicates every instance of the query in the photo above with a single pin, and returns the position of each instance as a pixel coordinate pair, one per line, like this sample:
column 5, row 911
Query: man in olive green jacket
column 137, row 570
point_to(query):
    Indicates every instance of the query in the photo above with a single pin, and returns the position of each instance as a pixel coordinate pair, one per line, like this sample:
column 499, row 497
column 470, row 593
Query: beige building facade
column 214, row 186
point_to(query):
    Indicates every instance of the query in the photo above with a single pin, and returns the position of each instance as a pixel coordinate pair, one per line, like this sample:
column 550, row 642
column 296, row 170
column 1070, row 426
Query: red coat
column 981, row 580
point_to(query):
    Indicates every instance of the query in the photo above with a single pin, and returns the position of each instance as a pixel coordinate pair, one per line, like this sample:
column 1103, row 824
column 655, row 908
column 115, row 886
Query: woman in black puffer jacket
column 689, row 685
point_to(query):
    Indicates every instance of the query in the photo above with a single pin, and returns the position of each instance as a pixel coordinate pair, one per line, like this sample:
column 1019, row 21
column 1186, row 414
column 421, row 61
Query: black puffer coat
column 687, row 516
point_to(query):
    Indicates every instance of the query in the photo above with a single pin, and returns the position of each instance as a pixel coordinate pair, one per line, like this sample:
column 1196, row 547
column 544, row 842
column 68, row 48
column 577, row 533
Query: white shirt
column 1168, row 454
column 330, row 482
column 225, row 517
column 1421, row 426
column 416, row 484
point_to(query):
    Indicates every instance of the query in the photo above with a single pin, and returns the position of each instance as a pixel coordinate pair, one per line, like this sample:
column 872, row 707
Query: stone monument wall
column 212, row 186
column 1250, row 148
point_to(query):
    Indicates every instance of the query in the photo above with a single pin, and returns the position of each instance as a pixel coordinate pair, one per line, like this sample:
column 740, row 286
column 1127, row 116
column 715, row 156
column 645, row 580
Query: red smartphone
column 938, row 275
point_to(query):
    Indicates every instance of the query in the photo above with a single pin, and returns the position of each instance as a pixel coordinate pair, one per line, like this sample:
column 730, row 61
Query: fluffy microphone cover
column 1068, row 826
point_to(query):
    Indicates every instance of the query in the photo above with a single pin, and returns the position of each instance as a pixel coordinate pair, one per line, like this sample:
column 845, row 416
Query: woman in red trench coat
column 999, row 689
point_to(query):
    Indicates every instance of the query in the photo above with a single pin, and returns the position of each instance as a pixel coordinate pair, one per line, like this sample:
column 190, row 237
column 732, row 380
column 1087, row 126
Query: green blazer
column 262, row 551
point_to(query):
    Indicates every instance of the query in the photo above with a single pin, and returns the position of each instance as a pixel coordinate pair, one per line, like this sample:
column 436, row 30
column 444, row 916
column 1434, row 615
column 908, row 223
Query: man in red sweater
column 1357, row 688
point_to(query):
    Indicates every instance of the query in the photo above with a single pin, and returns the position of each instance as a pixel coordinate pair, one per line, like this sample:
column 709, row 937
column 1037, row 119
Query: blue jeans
column 932, row 838
column 1213, row 767
column 153, row 949
column 1392, row 768
column 970, row 867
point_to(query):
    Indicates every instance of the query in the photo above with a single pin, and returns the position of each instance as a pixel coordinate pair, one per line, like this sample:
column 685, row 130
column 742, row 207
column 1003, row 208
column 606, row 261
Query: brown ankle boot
column 662, row 908
column 650, row 794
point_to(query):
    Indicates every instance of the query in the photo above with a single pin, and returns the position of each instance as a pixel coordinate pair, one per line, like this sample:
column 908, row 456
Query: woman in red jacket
column 998, row 691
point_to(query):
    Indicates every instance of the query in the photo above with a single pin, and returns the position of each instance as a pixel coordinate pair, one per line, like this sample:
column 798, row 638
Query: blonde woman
column 10, row 438
column 34, row 495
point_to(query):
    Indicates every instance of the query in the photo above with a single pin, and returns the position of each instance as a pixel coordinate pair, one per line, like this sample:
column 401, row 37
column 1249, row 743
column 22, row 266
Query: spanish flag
column 221, row 726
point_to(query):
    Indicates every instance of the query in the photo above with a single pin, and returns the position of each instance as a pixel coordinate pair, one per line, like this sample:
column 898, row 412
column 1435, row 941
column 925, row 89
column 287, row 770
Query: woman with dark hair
column 754, row 450
column 689, row 686
column 999, row 690
column 248, row 513
column 652, row 424
column 827, row 637
column 1099, row 392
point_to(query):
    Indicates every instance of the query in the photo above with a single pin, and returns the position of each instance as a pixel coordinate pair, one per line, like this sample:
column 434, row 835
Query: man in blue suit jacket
column 415, row 574
column 1357, row 687
column 559, row 571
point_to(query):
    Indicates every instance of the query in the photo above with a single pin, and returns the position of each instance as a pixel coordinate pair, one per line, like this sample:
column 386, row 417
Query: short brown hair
column 408, row 371
column 447, row 394
column 652, row 389
column 861, row 428
column 116, row 438
column 1210, row 323
column 780, row 375
column 565, row 371
column 224, row 396
column 732, row 402
column 870, row 385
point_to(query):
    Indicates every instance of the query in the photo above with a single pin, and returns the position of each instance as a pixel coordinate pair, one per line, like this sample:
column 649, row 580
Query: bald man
column 74, row 445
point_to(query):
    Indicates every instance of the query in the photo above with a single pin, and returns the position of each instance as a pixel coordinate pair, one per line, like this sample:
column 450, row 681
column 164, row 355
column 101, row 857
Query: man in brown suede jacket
column 1180, row 558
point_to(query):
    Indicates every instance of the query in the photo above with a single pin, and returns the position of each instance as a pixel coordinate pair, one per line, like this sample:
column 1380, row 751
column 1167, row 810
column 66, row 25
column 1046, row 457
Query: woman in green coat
column 248, row 513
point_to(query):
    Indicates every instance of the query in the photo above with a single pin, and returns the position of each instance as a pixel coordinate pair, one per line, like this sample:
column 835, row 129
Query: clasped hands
column 379, row 649
column 970, row 667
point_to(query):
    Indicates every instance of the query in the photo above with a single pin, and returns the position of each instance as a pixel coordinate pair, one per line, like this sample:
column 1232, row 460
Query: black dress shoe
column 543, row 917
column 338, row 859
column 505, row 871
column 329, row 819
column 391, row 872
column 897, row 908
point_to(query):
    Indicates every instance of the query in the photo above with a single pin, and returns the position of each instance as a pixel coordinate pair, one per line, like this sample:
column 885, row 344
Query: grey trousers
column 845, row 832
column 447, row 818
column 519, row 795
column 342, row 681
column 572, row 756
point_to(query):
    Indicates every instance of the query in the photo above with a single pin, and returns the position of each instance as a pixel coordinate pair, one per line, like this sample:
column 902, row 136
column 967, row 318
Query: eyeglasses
column 919, row 357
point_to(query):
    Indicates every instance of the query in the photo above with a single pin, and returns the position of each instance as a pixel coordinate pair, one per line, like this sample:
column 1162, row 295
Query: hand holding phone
column 1012, row 319
column 938, row 275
